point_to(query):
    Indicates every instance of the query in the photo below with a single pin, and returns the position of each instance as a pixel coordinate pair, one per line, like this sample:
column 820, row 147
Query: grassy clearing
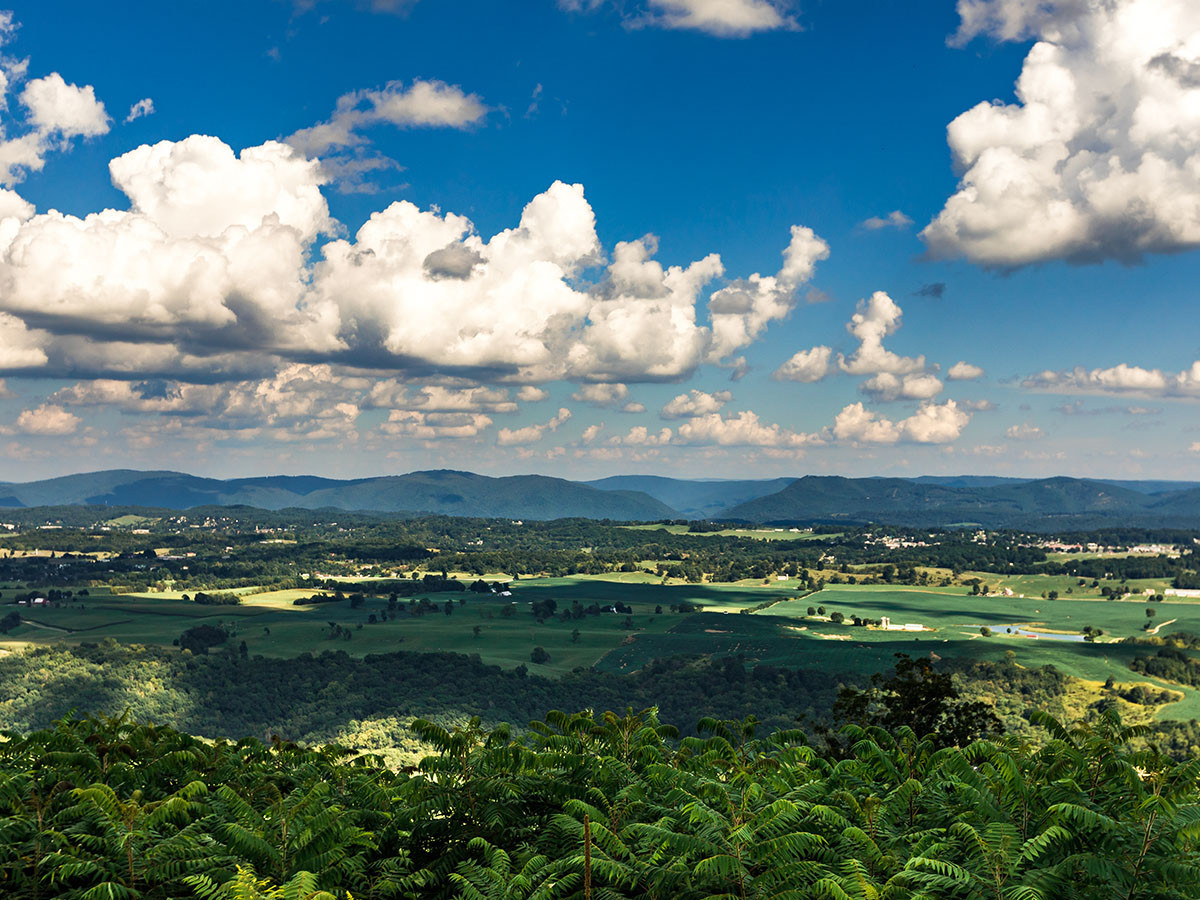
column 131, row 521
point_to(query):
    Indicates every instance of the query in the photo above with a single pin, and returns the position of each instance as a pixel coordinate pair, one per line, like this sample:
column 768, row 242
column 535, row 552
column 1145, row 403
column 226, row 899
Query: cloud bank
column 217, row 266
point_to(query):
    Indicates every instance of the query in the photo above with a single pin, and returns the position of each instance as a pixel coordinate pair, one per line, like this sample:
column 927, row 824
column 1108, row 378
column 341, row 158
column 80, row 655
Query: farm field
column 779, row 634
column 956, row 611
column 271, row 625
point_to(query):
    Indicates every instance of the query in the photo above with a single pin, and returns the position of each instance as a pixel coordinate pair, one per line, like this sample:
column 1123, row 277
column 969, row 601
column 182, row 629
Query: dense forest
column 367, row 703
column 587, row 806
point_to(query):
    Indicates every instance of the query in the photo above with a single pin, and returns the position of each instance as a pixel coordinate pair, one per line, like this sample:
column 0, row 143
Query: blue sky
column 226, row 316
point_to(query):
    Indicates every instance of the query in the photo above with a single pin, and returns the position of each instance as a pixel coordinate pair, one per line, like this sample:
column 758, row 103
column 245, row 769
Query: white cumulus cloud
column 641, row 436
column 806, row 366
column 894, row 219
column 964, row 371
column 47, row 419
column 723, row 18
column 894, row 377
column 141, row 109
column 434, row 426
column 876, row 318
column 55, row 111
column 1099, row 157
column 604, row 395
column 887, row 387
column 212, row 250
column 741, row 311
column 932, row 423
column 531, row 433
column 439, row 398
column 743, row 429
column 1023, row 432
column 720, row 18
column 68, row 110
column 695, row 403
column 1119, row 379
column 422, row 104
column 978, row 405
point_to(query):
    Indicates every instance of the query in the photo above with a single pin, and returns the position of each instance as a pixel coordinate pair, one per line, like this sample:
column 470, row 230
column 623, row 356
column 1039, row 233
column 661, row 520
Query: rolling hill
column 441, row 491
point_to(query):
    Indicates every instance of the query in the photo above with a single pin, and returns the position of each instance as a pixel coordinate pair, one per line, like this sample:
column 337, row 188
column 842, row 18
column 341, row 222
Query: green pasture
column 651, row 593
column 758, row 534
column 954, row 613
column 1034, row 585
column 272, row 625
column 130, row 521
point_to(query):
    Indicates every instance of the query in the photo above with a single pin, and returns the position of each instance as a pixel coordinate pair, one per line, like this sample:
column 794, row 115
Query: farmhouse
column 886, row 624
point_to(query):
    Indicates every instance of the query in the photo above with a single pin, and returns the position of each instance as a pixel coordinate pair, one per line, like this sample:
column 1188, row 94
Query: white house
column 886, row 624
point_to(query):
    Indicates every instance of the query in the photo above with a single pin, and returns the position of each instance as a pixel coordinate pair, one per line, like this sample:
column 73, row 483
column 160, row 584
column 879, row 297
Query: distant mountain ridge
column 990, row 501
column 1033, row 504
column 440, row 491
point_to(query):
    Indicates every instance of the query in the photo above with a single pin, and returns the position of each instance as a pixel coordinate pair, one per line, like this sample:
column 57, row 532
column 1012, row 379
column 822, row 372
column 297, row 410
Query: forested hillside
column 438, row 491
column 694, row 499
column 1046, row 504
